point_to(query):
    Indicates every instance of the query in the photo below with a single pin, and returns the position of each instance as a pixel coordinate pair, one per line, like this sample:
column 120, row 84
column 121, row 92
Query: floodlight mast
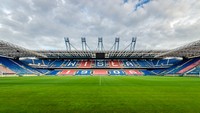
column 100, row 44
column 125, row 51
column 67, row 43
column 83, row 41
column 133, row 44
column 116, row 44
column 85, row 47
column 115, row 47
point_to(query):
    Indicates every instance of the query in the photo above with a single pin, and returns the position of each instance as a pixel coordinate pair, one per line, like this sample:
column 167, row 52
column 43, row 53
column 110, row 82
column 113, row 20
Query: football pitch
column 99, row 94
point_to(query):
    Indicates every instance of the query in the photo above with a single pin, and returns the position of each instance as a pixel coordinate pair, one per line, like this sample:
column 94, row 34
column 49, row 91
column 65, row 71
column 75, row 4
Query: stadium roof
column 14, row 51
column 108, row 54
column 190, row 50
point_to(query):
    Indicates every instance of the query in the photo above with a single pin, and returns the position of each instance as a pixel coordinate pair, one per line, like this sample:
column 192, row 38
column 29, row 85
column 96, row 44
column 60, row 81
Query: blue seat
column 116, row 72
column 100, row 63
column 83, row 72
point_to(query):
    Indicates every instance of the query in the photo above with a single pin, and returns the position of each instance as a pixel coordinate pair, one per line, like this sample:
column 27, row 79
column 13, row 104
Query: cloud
column 42, row 24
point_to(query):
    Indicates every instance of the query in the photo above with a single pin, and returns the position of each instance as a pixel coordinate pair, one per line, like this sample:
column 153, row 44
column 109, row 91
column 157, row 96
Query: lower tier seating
column 95, row 72
column 67, row 72
column 195, row 71
column 133, row 72
column 189, row 67
column 4, row 70
column 100, row 72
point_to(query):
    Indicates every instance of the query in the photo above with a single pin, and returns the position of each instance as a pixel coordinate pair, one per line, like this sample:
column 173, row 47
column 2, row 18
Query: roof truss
column 190, row 50
column 14, row 51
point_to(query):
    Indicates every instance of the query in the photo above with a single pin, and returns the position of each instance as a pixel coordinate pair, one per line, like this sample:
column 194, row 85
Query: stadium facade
column 16, row 60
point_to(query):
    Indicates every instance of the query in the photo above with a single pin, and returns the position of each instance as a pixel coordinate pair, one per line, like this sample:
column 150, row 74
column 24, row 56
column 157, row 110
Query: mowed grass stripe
column 77, row 94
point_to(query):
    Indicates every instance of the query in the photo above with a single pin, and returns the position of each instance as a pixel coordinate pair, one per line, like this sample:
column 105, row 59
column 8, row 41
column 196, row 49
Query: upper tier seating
column 55, row 63
column 85, row 64
column 115, row 64
column 129, row 64
column 100, row 64
column 71, row 63
column 121, row 63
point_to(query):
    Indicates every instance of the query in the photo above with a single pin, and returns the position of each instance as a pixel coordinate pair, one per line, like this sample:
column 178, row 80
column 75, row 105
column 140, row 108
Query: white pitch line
column 99, row 80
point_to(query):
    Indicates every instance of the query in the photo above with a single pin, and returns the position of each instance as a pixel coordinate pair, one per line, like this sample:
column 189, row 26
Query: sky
column 43, row 24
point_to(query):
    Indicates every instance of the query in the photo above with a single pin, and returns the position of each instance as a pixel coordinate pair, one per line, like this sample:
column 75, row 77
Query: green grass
column 142, row 94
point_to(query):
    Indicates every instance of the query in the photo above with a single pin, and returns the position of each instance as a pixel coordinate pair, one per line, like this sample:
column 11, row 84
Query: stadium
column 117, row 56
column 99, row 80
column 182, row 61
